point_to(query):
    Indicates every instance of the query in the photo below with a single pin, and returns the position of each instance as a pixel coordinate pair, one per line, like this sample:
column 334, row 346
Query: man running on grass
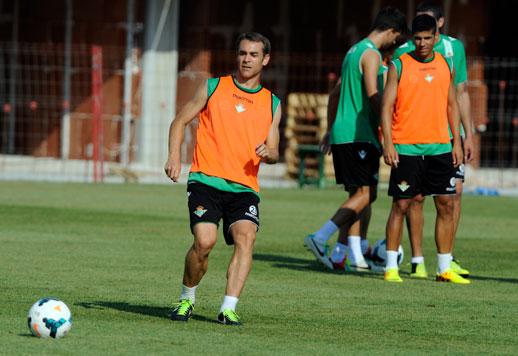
column 238, row 129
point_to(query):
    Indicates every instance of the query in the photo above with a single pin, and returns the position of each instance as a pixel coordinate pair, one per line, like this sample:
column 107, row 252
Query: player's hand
column 263, row 152
column 468, row 149
column 324, row 145
column 172, row 168
column 457, row 154
column 390, row 155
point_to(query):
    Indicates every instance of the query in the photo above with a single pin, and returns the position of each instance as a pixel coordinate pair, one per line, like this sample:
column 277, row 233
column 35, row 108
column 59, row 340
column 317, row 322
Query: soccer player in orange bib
column 419, row 103
column 238, row 129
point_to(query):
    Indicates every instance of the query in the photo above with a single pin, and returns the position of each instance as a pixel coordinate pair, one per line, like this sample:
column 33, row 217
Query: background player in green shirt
column 352, row 137
column 453, row 50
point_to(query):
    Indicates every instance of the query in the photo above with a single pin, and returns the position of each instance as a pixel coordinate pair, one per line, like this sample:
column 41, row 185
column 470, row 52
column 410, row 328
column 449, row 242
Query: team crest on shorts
column 199, row 211
column 362, row 154
column 403, row 186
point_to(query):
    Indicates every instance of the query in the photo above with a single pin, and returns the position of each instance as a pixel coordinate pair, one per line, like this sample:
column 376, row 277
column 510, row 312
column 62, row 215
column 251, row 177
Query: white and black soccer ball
column 49, row 317
column 379, row 253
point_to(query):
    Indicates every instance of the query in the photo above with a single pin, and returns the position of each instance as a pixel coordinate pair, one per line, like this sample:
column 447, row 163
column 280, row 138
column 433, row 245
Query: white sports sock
column 229, row 302
column 188, row 293
column 364, row 245
column 391, row 259
column 325, row 232
column 355, row 249
column 418, row 259
column 339, row 251
column 443, row 261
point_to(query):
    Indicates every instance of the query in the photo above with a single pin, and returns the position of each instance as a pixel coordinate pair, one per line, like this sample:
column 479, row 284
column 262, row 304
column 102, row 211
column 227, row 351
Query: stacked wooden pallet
column 306, row 124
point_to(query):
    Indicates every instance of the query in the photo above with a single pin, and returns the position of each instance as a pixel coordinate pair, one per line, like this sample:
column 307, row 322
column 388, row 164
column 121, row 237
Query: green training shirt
column 355, row 120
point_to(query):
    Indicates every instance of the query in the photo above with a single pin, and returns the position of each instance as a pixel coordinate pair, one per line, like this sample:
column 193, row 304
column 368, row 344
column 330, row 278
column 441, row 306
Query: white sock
column 339, row 251
column 355, row 249
column 391, row 259
column 418, row 259
column 229, row 302
column 443, row 261
column 188, row 293
column 325, row 232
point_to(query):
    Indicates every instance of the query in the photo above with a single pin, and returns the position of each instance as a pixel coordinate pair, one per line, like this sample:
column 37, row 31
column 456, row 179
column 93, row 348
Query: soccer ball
column 49, row 317
column 379, row 253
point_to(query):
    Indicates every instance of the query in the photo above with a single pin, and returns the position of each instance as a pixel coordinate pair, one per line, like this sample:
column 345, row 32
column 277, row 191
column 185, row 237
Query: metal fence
column 33, row 103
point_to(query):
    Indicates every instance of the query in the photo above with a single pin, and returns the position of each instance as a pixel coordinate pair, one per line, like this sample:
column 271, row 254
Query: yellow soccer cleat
column 419, row 271
column 392, row 275
column 456, row 267
column 450, row 276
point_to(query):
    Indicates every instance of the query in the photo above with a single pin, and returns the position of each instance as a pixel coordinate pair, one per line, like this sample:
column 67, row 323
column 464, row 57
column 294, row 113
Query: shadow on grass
column 305, row 265
column 496, row 279
column 26, row 335
column 154, row 311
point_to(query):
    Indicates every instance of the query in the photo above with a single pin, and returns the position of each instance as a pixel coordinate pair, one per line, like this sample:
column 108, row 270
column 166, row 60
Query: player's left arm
column 370, row 64
column 269, row 150
column 454, row 121
column 461, row 87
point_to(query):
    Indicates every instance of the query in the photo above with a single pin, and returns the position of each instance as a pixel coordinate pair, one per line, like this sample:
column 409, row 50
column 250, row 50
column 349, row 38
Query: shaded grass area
column 114, row 254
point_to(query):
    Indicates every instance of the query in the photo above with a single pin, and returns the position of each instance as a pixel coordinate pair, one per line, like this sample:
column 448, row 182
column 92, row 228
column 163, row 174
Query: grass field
column 114, row 254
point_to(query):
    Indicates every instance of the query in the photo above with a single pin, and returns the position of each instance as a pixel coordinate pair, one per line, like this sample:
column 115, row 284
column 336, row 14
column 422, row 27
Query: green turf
column 114, row 254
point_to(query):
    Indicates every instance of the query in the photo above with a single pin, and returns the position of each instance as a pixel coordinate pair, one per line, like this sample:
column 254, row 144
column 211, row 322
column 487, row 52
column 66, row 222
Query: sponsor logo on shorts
column 362, row 154
column 452, row 181
column 403, row 186
column 252, row 212
column 199, row 211
column 252, row 209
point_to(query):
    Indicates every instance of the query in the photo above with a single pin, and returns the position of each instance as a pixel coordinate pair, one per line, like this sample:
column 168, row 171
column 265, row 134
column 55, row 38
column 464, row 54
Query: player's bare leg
column 196, row 264
column 243, row 233
column 197, row 258
column 393, row 236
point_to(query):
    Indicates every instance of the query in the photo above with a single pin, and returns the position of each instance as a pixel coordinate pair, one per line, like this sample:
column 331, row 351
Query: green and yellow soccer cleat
column 182, row 310
column 419, row 271
column 450, row 276
column 229, row 317
column 456, row 267
column 392, row 275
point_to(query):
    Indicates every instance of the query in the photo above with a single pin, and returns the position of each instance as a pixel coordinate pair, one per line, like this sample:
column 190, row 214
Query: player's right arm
column 176, row 130
column 390, row 154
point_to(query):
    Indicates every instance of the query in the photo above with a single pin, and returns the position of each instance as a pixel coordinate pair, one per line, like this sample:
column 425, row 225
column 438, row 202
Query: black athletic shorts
column 207, row 204
column 459, row 171
column 427, row 175
column 356, row 164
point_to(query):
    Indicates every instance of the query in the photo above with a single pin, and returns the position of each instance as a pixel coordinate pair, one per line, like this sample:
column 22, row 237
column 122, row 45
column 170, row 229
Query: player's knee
column 244, row 238
column 445, row 207
column 203, row 245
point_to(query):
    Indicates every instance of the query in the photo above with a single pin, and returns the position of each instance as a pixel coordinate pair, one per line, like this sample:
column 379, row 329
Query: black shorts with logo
column 207, row 204
column 426, row 175
column 356, row 164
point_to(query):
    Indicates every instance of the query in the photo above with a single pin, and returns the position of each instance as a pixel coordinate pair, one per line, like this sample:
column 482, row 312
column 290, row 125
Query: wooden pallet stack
column 306, row 124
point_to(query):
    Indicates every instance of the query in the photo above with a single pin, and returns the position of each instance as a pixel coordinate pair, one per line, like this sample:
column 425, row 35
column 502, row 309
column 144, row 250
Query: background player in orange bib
column 238, row 129
column 418, row 105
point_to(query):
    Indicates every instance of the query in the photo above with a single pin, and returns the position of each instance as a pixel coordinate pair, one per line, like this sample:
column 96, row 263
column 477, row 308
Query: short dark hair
column 390, row 18
column 428, row 6
column 424, row 22
column 254, row 37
